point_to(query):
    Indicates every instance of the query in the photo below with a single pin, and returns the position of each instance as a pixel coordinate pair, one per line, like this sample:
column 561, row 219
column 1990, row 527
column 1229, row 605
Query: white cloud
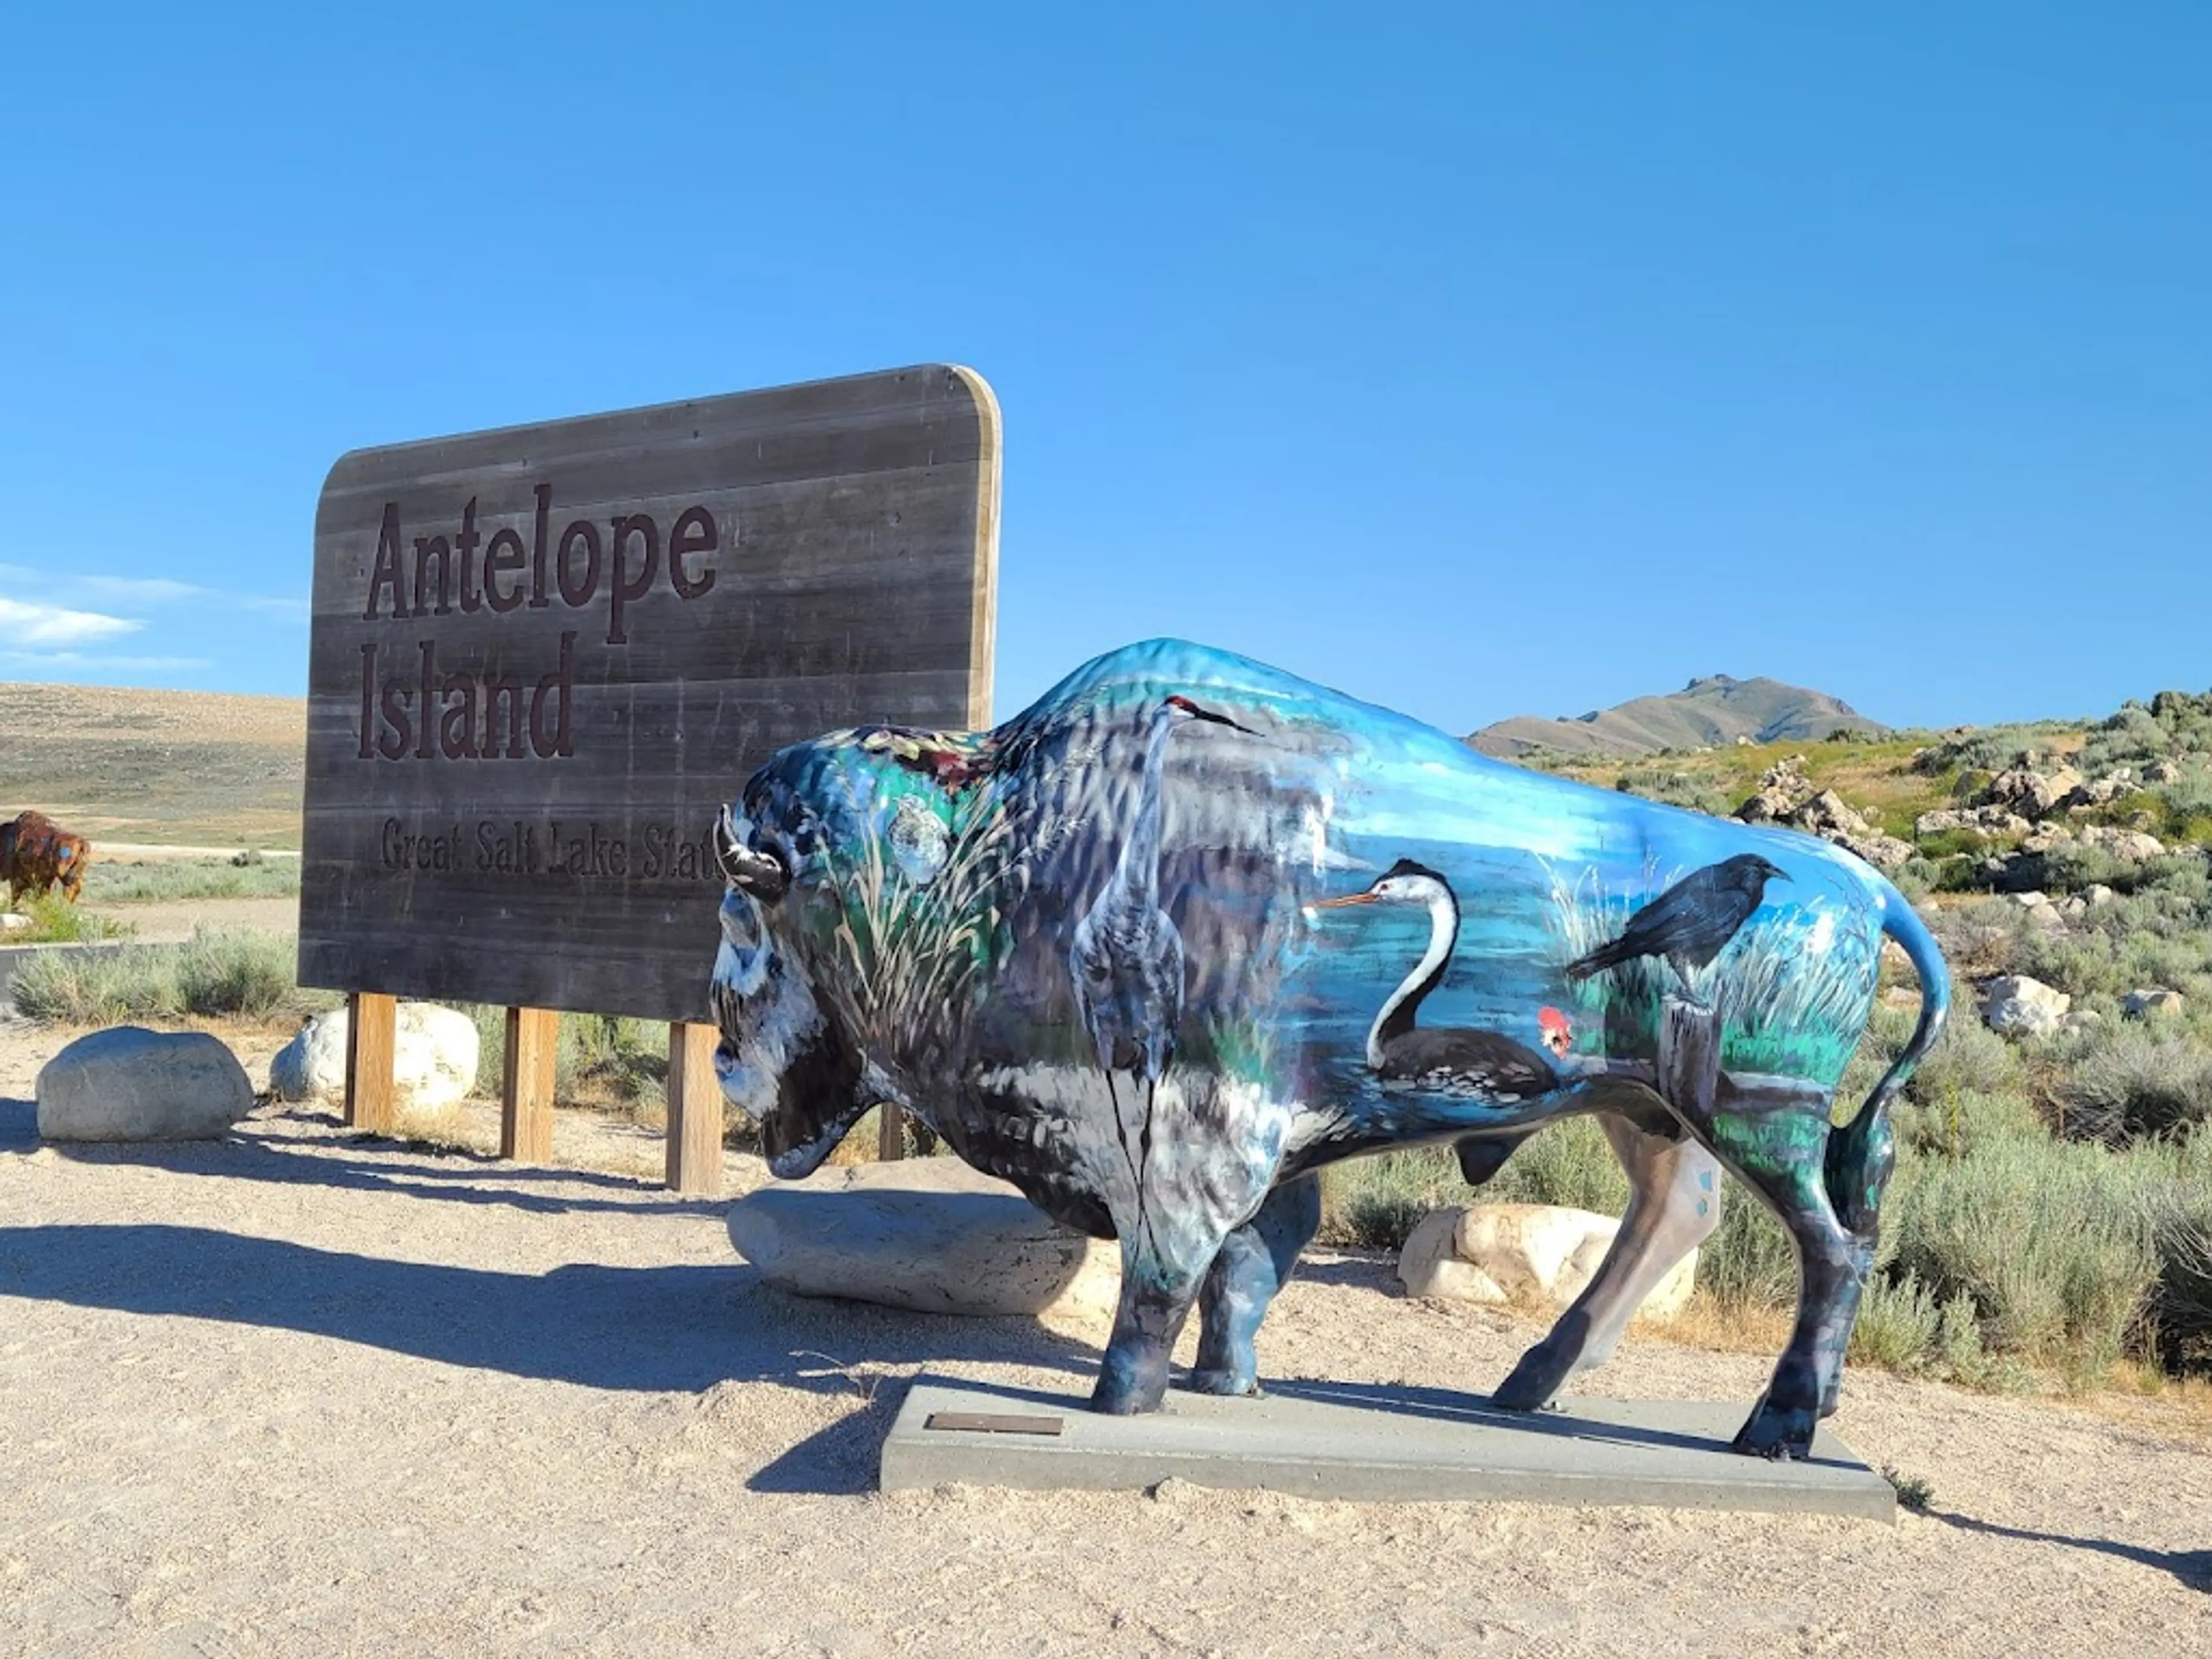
column 54, row 628
column 136, row 595
column 141, row 590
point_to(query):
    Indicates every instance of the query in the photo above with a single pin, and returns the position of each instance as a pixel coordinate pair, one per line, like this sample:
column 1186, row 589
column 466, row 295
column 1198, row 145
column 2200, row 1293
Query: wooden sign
column 542, row 657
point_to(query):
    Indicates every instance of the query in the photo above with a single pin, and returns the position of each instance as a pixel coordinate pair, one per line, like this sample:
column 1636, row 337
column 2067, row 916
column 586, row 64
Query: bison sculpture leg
column 1787, row 1158
column 1256, row 1262
column 1156, row 1299
column 1674, row 1205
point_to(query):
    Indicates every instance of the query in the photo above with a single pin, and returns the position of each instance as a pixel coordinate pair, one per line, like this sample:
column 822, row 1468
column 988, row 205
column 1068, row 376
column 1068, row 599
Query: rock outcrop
column 1786, row 796
column 2016, row 1005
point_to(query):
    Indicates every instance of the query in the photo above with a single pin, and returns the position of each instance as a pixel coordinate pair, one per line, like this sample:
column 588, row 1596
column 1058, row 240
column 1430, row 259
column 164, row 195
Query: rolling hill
column 1715, row 710
column 179, row 767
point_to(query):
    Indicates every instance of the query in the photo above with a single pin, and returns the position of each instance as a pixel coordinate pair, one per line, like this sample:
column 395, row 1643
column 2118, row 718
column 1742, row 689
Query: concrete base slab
column 1371, row 1444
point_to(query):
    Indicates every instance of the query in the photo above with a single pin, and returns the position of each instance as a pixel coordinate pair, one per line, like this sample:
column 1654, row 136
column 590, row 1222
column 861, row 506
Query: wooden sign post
column 541, row 660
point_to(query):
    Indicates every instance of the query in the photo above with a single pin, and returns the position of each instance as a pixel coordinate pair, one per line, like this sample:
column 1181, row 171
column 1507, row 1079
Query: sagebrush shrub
column 2127, row 1082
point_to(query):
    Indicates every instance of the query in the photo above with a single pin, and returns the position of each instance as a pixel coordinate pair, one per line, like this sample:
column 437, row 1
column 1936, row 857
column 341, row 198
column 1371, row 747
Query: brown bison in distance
column 36, row 854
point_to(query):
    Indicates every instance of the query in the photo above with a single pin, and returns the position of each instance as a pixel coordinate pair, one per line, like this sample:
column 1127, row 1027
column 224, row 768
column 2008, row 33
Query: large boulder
column 1983, row 820
column 2152, row 1002
column 2036, row 794
column 2135, row 846
column 434, row 1059
column 2017, row 1006
column 927, row 1234
column 1782, row 788
column 1539, row 1253
column 130, row 1084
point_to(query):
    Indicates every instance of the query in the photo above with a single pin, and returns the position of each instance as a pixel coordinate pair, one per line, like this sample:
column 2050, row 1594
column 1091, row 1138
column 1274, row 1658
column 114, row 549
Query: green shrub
column 1376, row 1202
column 2128, row 1082
column 2050, row 1243
column 1568, row 1164
column 180, row 880
column 89, row 988
column 240, row 973
column 55, row 920
column 1969, row 1058
column 1899, row 1325
column 216, row 973
column 2181, row 1311
column 1749, row 1260
column 1958, row 1123
column 1677, row 788
column 598, row 1059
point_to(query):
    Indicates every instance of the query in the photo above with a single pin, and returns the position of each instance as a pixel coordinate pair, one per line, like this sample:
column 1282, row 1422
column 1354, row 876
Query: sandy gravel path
column 300, row 1394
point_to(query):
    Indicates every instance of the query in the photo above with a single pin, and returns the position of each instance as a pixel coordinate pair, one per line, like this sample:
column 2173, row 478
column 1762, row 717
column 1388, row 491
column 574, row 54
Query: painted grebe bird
column 1489, row 1063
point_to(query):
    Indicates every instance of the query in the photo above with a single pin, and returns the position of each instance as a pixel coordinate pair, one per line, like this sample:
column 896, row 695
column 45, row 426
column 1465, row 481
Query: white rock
column 1542, row 1252
column 2153, row 1001
column 2018, row 1005
column 927, row 1234
column 433, row 1058
column 2133, row 844
column 130, row 1084
column 2098, row 894
column 11, row 922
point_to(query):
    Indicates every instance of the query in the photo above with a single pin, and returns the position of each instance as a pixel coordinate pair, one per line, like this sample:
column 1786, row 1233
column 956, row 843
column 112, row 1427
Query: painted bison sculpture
column 37, row 855
column 1163, row 946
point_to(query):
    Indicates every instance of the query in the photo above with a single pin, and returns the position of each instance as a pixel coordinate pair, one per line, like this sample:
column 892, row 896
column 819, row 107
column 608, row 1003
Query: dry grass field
column 198, row 768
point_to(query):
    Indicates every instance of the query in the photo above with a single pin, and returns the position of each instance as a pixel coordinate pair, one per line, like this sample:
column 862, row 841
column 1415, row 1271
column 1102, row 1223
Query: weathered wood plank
column 372, row 1030
column 849, row 529
column 695, row 1110
column 526, row 1093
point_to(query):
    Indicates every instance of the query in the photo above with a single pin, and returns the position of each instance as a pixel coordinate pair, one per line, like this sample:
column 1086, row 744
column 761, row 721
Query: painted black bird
column 1692, row 921
column 1489, row 1063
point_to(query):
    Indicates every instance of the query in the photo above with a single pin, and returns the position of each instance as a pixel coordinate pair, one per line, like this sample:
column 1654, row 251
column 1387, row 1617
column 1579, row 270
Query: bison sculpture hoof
column 1125, row 1389
column 1223, row 1382
column 1783, row 1434
column 1532, row 1382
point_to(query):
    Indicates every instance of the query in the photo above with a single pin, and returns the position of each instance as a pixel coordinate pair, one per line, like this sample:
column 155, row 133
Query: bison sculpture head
column 783, row 1055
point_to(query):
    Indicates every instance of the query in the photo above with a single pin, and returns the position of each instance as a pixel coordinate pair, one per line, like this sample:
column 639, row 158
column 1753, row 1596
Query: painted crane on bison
column 1379, row 939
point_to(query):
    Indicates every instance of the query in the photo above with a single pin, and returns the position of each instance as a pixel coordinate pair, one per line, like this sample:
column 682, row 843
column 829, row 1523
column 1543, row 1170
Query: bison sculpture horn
column 761, row 874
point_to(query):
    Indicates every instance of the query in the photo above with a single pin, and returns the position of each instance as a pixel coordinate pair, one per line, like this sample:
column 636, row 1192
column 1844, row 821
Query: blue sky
column 1478, row 359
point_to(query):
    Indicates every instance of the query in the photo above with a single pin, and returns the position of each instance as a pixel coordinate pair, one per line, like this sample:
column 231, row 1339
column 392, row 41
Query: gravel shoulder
column 302, row 1393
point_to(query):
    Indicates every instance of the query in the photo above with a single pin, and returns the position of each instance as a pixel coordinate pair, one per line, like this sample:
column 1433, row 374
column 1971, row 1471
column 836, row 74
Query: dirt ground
column 174, row 921
column 299, row 1392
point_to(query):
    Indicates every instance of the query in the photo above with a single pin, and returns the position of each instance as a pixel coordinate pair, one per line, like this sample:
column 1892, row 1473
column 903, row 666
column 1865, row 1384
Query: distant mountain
column 1715, row 710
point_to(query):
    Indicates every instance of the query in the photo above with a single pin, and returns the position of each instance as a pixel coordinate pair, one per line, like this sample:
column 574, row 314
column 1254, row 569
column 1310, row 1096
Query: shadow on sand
column 449, row 1173
column 2193, row 1568
column 676, row 1329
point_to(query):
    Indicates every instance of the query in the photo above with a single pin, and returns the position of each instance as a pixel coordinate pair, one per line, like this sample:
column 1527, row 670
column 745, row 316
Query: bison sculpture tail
column 1861, row 1154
